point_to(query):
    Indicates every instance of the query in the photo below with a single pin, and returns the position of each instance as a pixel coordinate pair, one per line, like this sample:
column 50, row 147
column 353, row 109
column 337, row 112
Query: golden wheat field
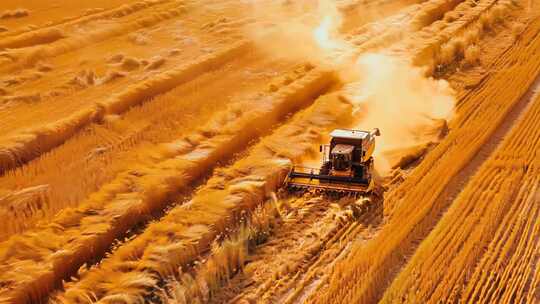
column 146, row 151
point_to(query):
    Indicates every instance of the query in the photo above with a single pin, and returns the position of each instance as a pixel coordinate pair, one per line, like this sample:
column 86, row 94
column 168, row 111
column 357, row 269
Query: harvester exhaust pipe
column 375, row 132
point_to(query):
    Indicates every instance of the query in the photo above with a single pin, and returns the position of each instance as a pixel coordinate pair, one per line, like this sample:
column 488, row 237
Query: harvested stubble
column 30, row 267
column 177, row 239
column 497, row 211
column 414, row 206
column 27, row 146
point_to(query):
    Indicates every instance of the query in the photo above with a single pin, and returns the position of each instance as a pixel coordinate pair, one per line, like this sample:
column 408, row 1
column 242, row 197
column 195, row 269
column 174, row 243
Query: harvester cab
column 347, row 165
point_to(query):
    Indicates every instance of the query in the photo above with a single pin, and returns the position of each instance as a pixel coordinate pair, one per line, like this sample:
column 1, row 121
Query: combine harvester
column 347, row 166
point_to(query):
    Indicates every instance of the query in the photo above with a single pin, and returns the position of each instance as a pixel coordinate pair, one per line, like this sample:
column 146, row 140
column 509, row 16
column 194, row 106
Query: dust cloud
column 393, row 95
column 389, row 92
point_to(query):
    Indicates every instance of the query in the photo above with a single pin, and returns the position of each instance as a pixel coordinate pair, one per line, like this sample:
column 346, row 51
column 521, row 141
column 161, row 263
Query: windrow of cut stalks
column 453, row 37
column 382, row 34
column 27, row 56
column 135, row 269
column 23, row 204
column 414, row 206
column 32, row 143
column 23, row 38
column 53, row 33
column 498, row 211
column 34, row 262
column 96, row 155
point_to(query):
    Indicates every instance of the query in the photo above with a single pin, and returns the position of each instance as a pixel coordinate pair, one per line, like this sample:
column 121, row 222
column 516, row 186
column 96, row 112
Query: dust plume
column 395, row 96
column 389, row 92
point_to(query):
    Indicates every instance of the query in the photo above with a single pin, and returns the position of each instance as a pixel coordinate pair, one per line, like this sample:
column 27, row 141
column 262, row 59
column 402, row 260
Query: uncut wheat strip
column 514, row 276
column 469, row 256
column 524, row 275
column 534, row 294
column 483, row 280
column 425, row 172
column 473, row 105
column 496, row 160
column 473, row 112
column 396, row 235
column 259, row 173
column 27, row 146
column 121, row 204
column 522, row 131
column 520, row 253
column 514, row 143
column 424, row 262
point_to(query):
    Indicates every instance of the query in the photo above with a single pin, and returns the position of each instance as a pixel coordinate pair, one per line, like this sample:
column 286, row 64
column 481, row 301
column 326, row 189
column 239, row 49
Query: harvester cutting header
column 347, row 165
